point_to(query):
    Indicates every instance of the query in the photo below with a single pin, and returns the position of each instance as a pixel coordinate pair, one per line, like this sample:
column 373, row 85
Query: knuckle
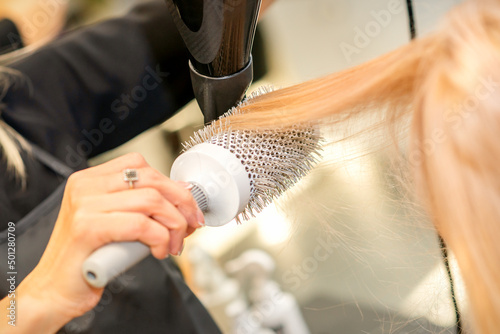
column 179, row 224
column 150, row 176
column 76, row 203
column 140, row 226
column 75, row 200
column 183, row 198
column 152, row 196
column 78, row 225
column 74, row 180
column 76, row 184
column 186, row 197
column 135, row 159
column 164, row 236
column 154, row 174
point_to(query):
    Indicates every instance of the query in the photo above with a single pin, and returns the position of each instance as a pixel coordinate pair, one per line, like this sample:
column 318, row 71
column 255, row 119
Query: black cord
column 442, row 244
column 444, row 254
column 411, row 20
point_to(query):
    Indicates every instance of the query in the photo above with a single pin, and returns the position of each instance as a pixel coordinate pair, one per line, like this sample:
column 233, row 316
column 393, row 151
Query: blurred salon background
column 345, row 251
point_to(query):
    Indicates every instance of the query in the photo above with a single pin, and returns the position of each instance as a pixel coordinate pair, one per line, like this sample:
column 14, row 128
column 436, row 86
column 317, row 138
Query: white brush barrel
column 222, row 177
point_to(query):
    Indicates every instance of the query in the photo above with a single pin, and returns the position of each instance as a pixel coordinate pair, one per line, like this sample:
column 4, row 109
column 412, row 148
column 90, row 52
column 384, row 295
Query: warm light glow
column 274, row 228
column 219, row 240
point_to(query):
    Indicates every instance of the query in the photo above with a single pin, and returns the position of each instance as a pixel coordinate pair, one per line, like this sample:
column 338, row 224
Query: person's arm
column 94, row 89
column 32, row 315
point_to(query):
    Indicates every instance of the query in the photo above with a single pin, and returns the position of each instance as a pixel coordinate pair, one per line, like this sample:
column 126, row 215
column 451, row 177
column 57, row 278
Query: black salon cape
column 10, row 39
column 85, row 93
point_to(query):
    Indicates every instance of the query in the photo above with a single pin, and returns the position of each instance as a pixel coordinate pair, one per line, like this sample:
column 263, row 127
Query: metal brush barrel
column 200, row 196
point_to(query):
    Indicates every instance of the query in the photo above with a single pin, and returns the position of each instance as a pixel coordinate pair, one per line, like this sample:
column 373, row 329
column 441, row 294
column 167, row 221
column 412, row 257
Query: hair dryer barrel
column 219, row 36
column 218, row 33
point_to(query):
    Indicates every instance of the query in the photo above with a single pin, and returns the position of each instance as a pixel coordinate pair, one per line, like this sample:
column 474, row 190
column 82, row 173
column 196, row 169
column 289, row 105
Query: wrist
column 36, row 310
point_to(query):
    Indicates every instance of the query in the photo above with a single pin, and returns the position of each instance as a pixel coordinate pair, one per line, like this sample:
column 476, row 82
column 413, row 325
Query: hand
column 37, row 21
column 98, row 208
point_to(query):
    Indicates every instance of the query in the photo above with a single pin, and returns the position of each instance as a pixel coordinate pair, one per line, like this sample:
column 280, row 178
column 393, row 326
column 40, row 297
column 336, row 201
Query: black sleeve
column 10, row 39
column 94, row 89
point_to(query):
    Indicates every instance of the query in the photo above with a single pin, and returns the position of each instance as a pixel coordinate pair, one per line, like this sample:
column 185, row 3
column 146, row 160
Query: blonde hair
column 447, row 83
column 11, row 143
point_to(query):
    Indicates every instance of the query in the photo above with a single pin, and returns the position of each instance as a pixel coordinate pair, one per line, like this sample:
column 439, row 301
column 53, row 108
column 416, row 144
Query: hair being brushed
column 275, row 159
column 448, row 84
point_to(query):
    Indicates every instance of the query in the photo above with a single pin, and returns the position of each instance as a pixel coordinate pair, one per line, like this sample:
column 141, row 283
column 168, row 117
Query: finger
column 100, row 229
column 117, row 165
column 83, row 182
column 177, row 193
column 190, row 230
column 149, row 202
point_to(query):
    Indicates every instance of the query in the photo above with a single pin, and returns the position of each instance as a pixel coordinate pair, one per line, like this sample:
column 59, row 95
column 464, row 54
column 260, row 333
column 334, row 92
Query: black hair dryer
column 219, row 36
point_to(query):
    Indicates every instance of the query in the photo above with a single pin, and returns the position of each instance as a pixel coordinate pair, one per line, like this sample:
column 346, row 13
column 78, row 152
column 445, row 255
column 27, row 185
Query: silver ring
column 130, row 175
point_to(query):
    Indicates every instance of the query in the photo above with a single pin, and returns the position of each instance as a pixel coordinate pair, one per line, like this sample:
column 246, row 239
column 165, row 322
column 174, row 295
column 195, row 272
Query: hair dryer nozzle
column 216, row 95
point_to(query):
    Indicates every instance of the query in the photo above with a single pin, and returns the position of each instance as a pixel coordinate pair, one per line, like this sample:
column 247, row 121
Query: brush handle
column 111, row 260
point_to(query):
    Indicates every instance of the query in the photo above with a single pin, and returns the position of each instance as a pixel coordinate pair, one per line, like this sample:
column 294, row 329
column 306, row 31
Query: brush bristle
column 274, row 159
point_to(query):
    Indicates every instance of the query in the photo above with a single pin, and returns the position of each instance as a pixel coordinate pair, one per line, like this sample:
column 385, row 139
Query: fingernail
column 201, row 218
column 180, row 252
column 186, row 185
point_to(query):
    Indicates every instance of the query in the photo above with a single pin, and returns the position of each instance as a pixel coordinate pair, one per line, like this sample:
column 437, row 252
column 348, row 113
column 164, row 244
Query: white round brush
column 235, row 174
